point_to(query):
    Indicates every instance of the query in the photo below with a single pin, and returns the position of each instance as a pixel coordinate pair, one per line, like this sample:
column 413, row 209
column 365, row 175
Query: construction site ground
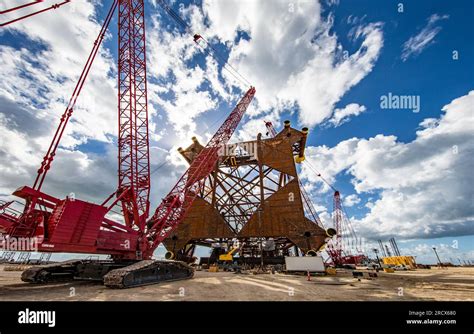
column 451, row 284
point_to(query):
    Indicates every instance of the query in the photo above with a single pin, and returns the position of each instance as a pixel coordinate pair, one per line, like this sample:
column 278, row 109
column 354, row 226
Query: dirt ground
column 422, row 284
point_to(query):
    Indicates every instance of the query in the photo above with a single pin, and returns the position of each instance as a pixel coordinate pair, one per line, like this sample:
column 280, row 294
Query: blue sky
column 309, row 63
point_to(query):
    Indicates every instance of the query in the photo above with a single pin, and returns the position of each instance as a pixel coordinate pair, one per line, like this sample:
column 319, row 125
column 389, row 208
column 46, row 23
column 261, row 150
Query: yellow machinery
column 331, row 271
column 300, row 157
column 213, row 269
column 408, row 261
column 229, row 255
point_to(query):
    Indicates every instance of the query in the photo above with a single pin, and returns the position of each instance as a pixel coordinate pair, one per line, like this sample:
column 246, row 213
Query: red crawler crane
column 334, row 249
column 73, row 225
column 338, row 250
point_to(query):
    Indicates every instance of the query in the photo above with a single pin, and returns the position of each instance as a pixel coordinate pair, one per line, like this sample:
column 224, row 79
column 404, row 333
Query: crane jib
column 175, row 205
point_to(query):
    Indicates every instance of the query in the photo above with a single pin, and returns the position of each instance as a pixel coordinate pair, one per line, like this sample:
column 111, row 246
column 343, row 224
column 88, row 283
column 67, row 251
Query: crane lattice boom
column 174, row 206
column 133, row 155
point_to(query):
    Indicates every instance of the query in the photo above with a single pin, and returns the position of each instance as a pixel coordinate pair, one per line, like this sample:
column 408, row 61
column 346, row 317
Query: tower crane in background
column 76, row 226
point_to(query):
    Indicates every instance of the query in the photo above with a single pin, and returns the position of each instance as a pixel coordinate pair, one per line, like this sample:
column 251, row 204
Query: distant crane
column 388, row 251
column 271, row 132
column 340, row 249
column 394, row 245
column 382, row 248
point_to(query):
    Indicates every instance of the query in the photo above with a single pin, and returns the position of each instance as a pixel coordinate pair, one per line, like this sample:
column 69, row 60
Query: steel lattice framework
column 253, row 194
column 237, row 193
column 133, row 166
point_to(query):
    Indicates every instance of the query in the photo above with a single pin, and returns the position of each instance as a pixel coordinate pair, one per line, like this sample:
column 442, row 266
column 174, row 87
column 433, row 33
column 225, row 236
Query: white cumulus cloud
column 424, row 185
column 351, row 200
column 342, row 115
column 292, row 57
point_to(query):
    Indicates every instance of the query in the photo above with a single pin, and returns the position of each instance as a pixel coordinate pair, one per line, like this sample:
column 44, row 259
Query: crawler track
column 55, row 272
column 147, row 272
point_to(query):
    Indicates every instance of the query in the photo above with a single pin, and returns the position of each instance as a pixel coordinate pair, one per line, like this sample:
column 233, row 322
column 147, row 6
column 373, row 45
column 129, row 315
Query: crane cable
column 49, row 157
column 55, row 6
column 350, row 229
column 20, row 7
column 199, row 134
column 358, row 240
column 224, row 63
column 310, row 166
column 188, row 30
column 346, row 223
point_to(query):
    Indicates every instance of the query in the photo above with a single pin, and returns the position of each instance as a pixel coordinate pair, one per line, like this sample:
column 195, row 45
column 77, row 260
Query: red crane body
column 76, row 226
